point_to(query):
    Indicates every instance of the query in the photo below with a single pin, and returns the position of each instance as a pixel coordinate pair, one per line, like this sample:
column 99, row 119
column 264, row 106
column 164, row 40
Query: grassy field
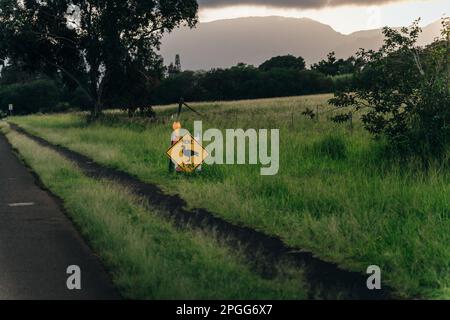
column 148, row 257
column 336, row 194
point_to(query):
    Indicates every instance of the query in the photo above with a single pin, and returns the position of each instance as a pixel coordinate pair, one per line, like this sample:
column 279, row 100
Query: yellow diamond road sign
column 187, row 153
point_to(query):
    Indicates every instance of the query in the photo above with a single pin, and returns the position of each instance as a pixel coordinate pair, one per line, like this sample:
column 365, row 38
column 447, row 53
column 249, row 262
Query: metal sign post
column 180, row 107
column 11, row 108
column 186, row 154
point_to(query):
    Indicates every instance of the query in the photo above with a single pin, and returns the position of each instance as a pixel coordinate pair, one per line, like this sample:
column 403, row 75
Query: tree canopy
column 333, row 66
column 105, row 47
column 284, row 62
column 404, row 92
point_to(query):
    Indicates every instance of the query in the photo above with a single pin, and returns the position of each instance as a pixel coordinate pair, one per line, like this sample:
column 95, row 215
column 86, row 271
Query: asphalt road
column 38, row 242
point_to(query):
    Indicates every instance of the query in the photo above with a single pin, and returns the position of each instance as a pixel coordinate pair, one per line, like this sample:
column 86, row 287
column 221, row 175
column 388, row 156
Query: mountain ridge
column 252, row 40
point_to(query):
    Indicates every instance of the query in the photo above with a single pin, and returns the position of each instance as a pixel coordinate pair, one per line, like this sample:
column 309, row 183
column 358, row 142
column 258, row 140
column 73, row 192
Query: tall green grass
column 148, row 257
column 336, row 194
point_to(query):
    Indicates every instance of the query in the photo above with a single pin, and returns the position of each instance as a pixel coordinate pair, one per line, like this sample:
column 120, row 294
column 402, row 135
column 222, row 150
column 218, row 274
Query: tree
column 405, row 93
column 173, row 69
column 177, row 63
column 284, row 62
column 241, row 81
column 333, row 66
column 327, row 66
column 41, row 95
column 12, row 73
column 96, row 45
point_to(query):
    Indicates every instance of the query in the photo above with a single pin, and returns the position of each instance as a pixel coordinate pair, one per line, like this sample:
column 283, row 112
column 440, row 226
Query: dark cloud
column 300, row 4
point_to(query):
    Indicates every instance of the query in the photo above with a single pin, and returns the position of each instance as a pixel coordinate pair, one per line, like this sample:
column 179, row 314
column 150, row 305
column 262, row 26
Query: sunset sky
column 345, row 16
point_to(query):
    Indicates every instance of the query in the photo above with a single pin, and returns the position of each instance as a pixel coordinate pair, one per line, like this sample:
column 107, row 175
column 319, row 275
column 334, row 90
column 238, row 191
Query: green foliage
column 240, row 82
column 342, row 118
column 309, row 113
column 15, row 73
column 331, row 146
column 344, row 82
column 333, row 66
column 174, row 68
column 30, row 97
column 78, row 99
column 284, row 62
column 277, row 77
column 404, row 91
column 106, row 48
column 148, row 257
column 354, row 211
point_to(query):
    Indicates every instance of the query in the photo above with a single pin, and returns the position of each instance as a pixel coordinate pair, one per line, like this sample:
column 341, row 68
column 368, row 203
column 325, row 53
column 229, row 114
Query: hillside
column 253, row 40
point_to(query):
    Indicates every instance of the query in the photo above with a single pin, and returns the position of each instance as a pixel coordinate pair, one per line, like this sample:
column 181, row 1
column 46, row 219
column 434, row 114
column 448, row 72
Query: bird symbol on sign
column 188, row 153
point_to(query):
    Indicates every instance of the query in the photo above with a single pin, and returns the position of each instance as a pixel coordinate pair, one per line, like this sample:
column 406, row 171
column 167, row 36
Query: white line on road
column 24, row 204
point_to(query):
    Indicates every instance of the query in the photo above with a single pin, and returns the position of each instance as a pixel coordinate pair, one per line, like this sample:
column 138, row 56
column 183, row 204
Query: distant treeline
column 41, row 95
column 240, row 82
column 277, row 77
column 35, row 92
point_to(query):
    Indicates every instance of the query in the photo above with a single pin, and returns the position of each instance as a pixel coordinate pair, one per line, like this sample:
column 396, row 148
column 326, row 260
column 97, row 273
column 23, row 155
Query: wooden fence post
column 317, row 113
column 351, row 122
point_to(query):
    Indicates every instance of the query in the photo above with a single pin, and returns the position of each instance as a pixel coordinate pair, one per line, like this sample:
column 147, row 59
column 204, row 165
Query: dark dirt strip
column 265, row 253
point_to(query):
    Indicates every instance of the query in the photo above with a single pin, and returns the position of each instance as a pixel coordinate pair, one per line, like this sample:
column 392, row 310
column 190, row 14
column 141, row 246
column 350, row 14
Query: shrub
column 284, row 62
column 79, row 99
column 405, row 91
column 343, row 82
column 30, row 97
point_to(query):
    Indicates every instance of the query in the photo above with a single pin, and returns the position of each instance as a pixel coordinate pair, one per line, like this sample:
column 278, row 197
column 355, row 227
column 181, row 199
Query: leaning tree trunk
column 98, row 106
column 97, row 110
column 96, row 100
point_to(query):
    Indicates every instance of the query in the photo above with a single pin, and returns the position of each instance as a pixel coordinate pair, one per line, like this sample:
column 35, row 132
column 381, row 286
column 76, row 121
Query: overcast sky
column 344, row 16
